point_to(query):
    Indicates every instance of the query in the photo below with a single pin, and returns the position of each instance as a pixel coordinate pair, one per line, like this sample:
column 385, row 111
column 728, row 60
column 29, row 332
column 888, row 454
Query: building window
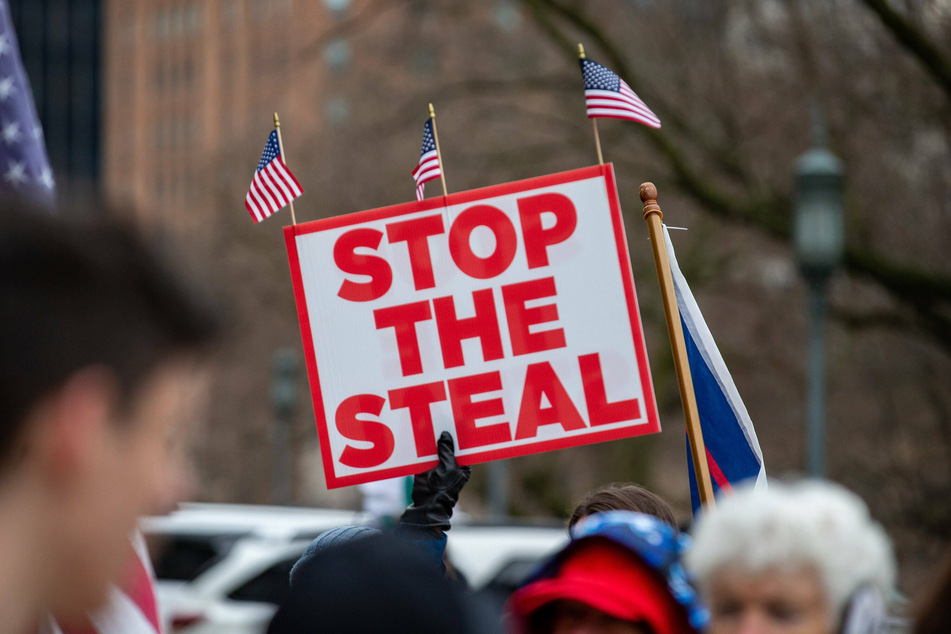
column 127, row 31
column 190, row 131
column 161, row 135
column 337, row 109
column 508, row 16
column 171, row 22
column 231, row 11
column 193, row 16
column 176, row 21
column 337, row 7
column 270, row 8
column 188, row 72
column 337, row 54
column 260, row 8
column 160, row 25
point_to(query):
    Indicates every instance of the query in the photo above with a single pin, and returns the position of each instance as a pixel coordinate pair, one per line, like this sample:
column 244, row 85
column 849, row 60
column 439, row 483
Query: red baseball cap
column 606, row 577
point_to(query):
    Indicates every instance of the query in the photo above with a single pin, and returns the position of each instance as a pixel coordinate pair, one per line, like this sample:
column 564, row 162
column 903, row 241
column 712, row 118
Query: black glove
column 436, row 491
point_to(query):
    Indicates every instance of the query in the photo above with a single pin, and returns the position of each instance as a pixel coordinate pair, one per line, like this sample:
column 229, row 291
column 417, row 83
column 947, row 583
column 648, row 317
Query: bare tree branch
column 923, row 291
column 915, row 42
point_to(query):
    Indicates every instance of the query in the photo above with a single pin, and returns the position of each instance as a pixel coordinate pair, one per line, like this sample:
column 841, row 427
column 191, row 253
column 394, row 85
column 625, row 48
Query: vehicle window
column 510, row 577
column 184, row 557
column 271, row 586
column 495, row 593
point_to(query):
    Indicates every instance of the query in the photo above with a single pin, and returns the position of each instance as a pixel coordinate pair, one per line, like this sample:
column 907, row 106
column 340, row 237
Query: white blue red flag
column 24, row 166
column 428, row 167
column 733, row 451
column 273, row 185
column 608, row 96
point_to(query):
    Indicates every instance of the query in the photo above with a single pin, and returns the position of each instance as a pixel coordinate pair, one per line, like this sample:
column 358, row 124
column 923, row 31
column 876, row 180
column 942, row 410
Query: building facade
column 60, row 43
column 191, row 88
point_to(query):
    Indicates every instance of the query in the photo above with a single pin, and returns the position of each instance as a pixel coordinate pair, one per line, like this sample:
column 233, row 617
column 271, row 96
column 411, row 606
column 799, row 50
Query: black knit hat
column 329, row 539
column 376, row 584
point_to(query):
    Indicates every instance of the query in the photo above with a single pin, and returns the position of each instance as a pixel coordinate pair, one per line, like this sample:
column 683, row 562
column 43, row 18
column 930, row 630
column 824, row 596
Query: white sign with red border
column 505, row 315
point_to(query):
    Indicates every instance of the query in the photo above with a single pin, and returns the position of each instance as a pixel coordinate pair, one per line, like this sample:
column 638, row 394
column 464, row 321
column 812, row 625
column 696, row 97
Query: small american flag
column 273, row 185
column 607, row 95
column 428, row 167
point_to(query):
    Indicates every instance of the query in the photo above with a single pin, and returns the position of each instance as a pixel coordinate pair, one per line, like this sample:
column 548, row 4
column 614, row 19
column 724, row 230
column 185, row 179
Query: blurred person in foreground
column 622, row 497
column 801, row 558
column 619, row 574
column 98, row 366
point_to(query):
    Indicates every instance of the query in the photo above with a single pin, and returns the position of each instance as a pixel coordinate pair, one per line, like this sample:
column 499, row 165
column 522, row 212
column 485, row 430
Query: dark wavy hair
column 622, row 497
column 82, row 289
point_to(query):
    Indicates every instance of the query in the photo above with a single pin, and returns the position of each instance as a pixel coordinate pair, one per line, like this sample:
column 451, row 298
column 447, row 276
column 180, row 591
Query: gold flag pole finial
column 580, row 51
column 698, row 453
column 280, row 146
column 442, row 170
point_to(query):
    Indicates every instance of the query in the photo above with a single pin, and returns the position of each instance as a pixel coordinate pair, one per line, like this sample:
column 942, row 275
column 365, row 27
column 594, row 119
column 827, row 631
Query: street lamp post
column 283, row 403
column 499, row 483
column 818, row 236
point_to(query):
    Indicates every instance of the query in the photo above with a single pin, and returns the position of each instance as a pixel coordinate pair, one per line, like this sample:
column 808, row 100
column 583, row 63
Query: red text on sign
column 483, row 325
column 417, row 232
column 544, row 401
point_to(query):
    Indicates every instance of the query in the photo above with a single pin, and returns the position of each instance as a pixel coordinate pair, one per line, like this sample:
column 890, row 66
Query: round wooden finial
column 649, row 198
column 648, row 192
column 580, row 51
column 277, row 122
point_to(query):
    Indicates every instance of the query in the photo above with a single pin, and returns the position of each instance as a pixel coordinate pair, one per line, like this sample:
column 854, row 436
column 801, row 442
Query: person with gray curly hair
column 804, row 557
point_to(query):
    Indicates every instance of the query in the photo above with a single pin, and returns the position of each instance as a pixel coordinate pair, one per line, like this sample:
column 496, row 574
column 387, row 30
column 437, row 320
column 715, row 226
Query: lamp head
column 818, row 212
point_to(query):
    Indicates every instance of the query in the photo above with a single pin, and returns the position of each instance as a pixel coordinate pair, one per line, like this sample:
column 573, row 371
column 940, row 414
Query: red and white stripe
column 129, row 610
column 426, row 170
column 271, row 189
column 619, row 105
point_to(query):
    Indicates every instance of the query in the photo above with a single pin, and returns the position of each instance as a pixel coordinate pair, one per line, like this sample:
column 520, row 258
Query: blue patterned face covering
column 654, row 542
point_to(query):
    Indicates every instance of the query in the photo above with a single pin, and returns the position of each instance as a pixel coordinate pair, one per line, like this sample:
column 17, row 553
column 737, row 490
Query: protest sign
column 505, row 315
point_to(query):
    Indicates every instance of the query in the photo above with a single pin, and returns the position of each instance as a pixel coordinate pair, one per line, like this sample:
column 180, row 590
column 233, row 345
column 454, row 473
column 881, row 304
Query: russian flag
column 733, row 452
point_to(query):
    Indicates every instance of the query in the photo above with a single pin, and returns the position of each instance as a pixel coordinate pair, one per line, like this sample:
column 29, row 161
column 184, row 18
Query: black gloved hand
column 436, row 491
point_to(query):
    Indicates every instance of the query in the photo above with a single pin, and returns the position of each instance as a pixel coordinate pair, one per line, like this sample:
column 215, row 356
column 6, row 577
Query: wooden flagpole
column 594, row 120
column 280, row 145
column 442, row 170
column 597, row 141
column 698, row 452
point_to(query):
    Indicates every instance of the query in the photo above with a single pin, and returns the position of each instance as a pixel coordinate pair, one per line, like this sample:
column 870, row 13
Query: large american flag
column 607, row 95
column 24, row 167
column 428, row 167
column 273, row 185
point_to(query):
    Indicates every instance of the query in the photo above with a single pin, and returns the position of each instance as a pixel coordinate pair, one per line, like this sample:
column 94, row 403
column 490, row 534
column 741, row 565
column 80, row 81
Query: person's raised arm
column 435, row 492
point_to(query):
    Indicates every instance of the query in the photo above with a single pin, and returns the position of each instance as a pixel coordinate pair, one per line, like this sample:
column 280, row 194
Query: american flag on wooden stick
column 273, row 185
column 428, row 167
column 608, row 96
